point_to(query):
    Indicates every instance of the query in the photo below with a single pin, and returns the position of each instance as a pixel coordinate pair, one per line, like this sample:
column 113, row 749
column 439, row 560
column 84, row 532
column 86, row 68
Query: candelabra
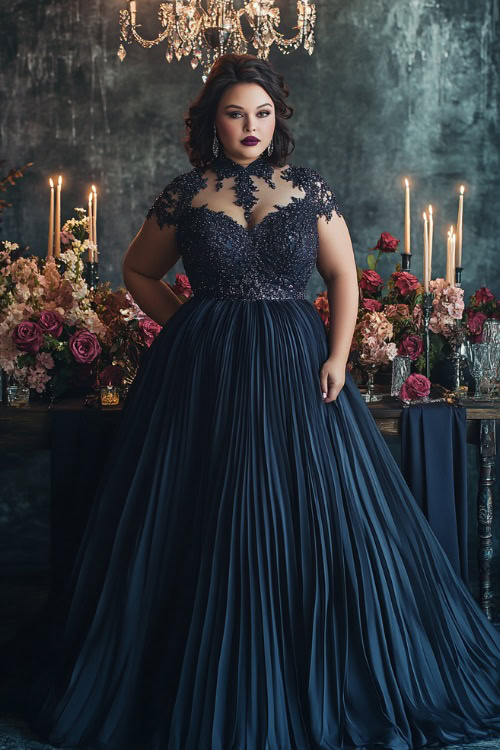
column 92, row 273
column 427, row 309
column 92, row 269
column 206, row 29
column 406, row 261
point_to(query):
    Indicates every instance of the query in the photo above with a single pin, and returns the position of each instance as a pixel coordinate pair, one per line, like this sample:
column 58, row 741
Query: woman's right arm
column 150, row 255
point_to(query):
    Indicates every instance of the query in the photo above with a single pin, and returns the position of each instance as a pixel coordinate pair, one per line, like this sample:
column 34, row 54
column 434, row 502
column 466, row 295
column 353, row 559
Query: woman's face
column 245, row 121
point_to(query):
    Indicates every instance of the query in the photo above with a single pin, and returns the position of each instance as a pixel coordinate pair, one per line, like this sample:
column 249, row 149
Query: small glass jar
column 18, row 394
column 110, row 395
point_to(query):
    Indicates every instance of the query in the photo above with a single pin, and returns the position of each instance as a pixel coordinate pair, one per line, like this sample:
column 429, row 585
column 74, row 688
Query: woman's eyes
column 264, row 112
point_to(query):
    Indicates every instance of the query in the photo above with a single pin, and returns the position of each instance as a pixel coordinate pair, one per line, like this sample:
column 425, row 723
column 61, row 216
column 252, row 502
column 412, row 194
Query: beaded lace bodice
column 246, row 232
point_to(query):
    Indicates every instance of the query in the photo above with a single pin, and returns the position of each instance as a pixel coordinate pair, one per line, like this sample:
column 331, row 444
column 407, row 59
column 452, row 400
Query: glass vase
column 401, row 368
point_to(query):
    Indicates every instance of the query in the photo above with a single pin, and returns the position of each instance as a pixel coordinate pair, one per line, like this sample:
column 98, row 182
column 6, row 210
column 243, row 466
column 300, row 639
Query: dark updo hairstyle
column 226, row 71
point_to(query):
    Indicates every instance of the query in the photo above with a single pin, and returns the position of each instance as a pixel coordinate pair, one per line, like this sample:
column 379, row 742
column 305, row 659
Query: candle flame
column 93, row 189
column 51, row 182
column 425, row 216
column 59, row 181
column 462, row 189
column 406, row 182
column 430, row 209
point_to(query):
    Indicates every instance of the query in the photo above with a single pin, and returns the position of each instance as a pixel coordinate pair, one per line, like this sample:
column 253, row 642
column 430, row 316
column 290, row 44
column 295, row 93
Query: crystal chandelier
column 206, row 29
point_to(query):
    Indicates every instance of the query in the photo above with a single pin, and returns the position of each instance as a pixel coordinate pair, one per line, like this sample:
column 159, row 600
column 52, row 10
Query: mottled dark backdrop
column 394, row 88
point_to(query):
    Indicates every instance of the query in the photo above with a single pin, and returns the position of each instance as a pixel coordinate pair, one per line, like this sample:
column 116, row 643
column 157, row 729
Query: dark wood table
column 30, row 428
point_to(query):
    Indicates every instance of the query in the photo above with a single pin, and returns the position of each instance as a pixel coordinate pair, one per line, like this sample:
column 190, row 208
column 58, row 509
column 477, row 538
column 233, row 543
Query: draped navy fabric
column 434, row 464
column 80, row 441
column 255, row 573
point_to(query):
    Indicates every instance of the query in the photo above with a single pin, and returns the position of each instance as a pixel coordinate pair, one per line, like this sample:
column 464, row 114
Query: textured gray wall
column 395, row 88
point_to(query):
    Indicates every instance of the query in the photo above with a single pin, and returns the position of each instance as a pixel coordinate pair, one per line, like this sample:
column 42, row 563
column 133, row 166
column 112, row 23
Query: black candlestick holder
column 60, row 264
column 458, row 275
column 406, row 261
column 427, row 309
column 92, row 273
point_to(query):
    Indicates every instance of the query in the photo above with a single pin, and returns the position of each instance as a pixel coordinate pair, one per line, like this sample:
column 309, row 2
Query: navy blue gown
column 255, row 573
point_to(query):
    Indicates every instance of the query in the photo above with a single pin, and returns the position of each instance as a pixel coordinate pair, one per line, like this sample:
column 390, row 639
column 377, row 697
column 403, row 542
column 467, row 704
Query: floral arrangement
column 58, row 334
column 482, row 305
column 390, row 315
column 372, row 338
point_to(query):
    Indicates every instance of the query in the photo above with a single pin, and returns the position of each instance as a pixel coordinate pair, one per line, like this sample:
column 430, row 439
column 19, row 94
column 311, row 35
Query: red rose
column 415, row 386
column 483, row 295
column 411, row 345
column 50, row 321
column 28, row 336
column 387, row 243
column 370, row 281
column 371, row 304
column 182, row 285
column 84, row 346
column 149, row 330
column 112, row 375
column 405, row 282
column 475, row 322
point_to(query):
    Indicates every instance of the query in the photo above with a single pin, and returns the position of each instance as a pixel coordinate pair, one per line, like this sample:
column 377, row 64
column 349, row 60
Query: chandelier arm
column 128, row 29
column 148, row 42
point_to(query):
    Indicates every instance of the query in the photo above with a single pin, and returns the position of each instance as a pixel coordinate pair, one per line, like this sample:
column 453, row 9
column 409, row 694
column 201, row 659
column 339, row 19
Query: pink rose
column 387, row 243
column 411, row 345
column 405, row 282
column 483, row 295
column 50, row 321
column 28, row 336
column 84, row 346
column 475, row 322
column 371, row 304
column 415, row 386
column 149, row 330
column 112, row 375
column 182, row 285
column 370, row 281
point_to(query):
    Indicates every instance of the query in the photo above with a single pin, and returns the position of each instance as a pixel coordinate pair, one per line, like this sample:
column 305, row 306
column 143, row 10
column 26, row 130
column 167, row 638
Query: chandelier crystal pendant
column 206, row 29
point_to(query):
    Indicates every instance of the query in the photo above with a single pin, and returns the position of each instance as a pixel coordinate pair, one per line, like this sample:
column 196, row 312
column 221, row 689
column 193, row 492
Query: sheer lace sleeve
column 323, row 196
column 169, row 205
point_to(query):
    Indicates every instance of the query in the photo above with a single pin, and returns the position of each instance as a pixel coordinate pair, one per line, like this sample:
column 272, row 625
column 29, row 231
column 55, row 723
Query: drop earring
column 270, row 148
column 215, row 144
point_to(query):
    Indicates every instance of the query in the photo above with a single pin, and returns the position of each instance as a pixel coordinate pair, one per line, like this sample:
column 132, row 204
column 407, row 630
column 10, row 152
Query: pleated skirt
column 255, row 573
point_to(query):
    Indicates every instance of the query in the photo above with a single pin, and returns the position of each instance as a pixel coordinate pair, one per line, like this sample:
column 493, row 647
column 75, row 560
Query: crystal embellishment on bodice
column 263, row 248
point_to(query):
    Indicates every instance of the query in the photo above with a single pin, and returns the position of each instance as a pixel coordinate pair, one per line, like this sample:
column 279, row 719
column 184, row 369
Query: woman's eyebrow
column 237, row 106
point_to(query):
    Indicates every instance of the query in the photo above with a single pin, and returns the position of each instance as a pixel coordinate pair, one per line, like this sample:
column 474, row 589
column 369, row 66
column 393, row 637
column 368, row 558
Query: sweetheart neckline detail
column 279, row 208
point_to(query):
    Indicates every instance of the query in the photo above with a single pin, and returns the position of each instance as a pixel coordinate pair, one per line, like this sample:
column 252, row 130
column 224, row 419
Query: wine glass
column 370, row 368
column 479, row 356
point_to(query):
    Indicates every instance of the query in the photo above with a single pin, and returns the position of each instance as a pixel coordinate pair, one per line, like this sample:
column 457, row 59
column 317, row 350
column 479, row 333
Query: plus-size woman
column 255, row 573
